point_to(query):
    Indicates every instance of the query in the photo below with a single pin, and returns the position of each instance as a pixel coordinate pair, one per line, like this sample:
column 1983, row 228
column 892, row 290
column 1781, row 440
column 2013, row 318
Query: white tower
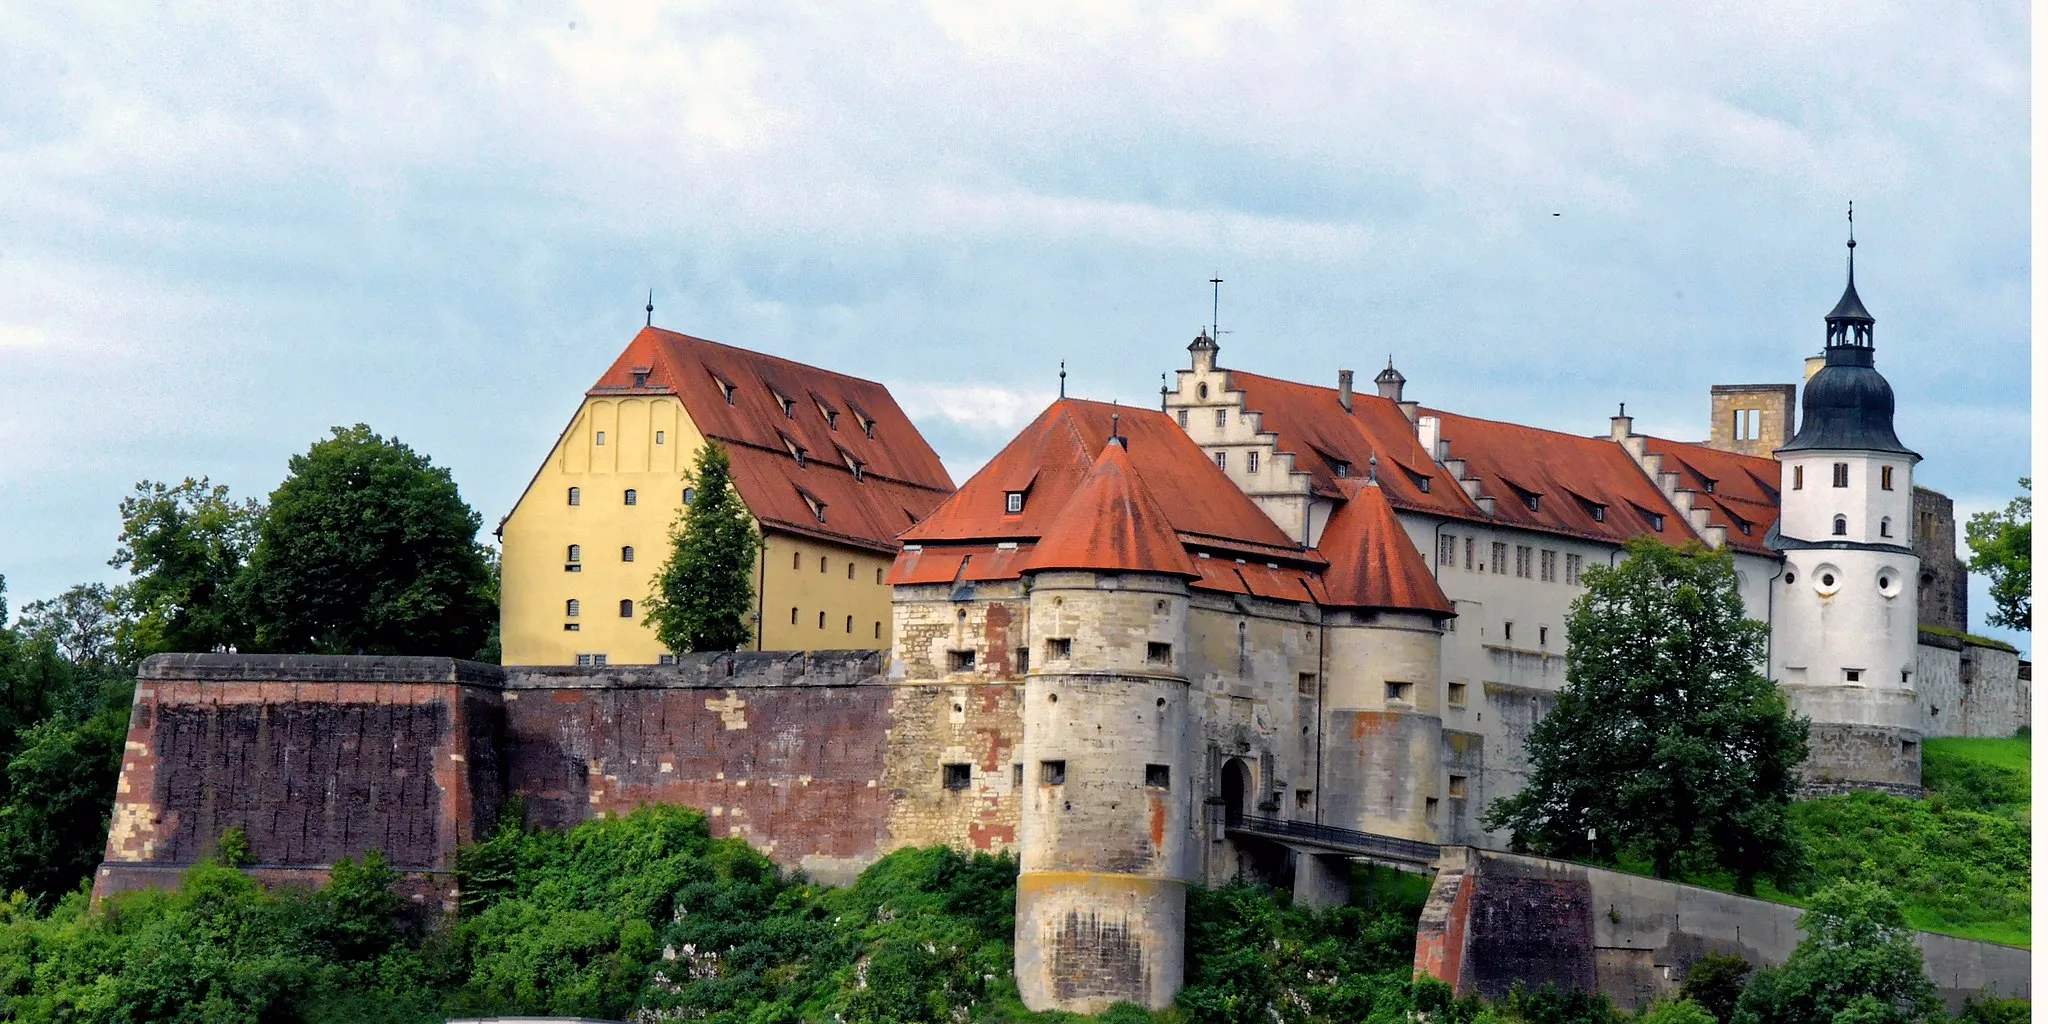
column 1845, row 617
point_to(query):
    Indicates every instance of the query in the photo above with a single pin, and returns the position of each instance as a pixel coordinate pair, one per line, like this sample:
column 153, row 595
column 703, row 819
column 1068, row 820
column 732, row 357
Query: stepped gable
column 1734, row 489
column 1373, row 564
column 971, row 536
column 1111, row 524
column 760, row 406
column 1567, row 475
column 1313, row 426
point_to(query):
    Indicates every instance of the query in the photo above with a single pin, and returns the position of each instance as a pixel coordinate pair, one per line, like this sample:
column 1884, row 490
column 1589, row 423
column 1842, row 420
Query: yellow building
column 828, row 464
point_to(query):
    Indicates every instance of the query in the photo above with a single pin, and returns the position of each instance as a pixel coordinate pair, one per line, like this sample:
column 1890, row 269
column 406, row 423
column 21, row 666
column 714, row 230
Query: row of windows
column 575, row 560
column 1529, row 562
column 573, row 608
column 660, row 437
column 796, row 561
column 1222, row 417
column 632, row 496
column 1251, row 462
column 1841, row 476
column 1884, row 526
column 795, row 616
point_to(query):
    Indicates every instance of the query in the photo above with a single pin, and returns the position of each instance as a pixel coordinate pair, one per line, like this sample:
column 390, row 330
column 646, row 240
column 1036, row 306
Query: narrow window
column 573, row 608
column 1500, row 558
column 1052, row 773
column 1305, row 684
column 1013, row 502
column 832, row 419
column 1017, row 775
column 792, row 616
column 1548, row 563
column 626, row 608
column 788, row 407
column 1023, row 655
column 1470, row 545
column 1532, row 500
column 849, row 569
column 1885, row 477
column 1059, row 648
column 1222, row 418
column 689, row 495
column 575, row 552
column 1301, row 798
column 1599, row 513
column 600, row 439
column 1657, row 522
column 849, row 625
column 821, row 620
column 1542, row 636
column 661, row 437
column 1841, row 474
column 821, row 563
column 1456, row 697
column 1841, row 526
column 1159, row 654
column 1400, row 691
column 1572, row 567
column 1507, row 632
column 1854, row 675
column 878, row 575
column 1223, row 460
column 1457, row 789
column 958, row 776
column 1183, row 419
column 1884, row 527
column 632, row 496
column 878, row 629
column 1446, row 550
column 626, row 553
column 1158, row 776
column 1523, row 557
column 575, row 495
column 868, row 427
column 1429, row 807
column 796, row 560
column 1251, row 462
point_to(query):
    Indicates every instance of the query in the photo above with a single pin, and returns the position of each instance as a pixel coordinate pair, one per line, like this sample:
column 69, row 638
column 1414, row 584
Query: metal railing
column 1348, row 840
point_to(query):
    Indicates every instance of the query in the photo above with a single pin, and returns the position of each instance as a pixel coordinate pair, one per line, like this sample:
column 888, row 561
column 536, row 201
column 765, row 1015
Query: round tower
column 1845, row 617
column 1106, row 817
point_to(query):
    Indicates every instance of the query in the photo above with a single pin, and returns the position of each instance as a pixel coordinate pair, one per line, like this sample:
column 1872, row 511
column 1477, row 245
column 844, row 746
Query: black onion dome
column 1847, row 405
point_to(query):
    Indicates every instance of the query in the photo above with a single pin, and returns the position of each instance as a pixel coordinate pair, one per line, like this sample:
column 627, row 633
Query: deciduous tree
column 368, row 548
column 1857, row 964
column 2001, row 547
column 183, row 547
column 1666, row 741
column 704, row 593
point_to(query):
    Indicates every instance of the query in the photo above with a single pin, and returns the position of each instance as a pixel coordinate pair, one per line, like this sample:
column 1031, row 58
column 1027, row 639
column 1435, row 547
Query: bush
column 1715, row 982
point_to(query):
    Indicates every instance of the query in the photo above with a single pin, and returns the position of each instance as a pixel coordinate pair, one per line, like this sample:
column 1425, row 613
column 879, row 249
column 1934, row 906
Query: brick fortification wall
column 813, row 758
column 1497, row 918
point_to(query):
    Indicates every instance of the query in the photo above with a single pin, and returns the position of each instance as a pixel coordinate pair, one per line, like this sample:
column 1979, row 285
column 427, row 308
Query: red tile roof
column 1111, row 524
column 1568, row 475
column 1734, row 489
column 1373, row 563
column 831, row 416
column 1315, row 428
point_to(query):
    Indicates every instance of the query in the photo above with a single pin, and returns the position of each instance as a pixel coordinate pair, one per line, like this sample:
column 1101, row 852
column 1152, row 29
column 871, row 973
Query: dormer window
column 1421, row 482
column 1708, row 484
column 725, row 388
column 1341, row 468
column 1013, row 502
column 867, row 427
column 1657, row 522
column 639, row 378
column 788, row 407
column 796, row 451
column 1532, row 500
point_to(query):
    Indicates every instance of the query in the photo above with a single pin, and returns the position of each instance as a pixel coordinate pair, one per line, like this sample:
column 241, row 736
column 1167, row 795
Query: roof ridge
column 757, row 354
column 1112, row 523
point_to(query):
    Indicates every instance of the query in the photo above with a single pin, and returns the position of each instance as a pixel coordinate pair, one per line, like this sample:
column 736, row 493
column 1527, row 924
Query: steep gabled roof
column 1567, row 475
column 760, row 405
column 1744, row 488
column 1373, row 563
column 1313, row 425
column 1048, row 460
column 1111, row 524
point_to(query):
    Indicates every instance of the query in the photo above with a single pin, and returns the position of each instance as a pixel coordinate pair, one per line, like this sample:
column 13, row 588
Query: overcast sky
column 223, row 231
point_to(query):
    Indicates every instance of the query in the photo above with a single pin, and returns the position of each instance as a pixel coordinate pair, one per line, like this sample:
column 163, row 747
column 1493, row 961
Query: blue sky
column 223, row 231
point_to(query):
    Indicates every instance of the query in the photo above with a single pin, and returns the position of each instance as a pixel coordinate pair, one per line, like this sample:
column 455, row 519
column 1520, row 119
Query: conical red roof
column 1111, row 524
column 1373, row 564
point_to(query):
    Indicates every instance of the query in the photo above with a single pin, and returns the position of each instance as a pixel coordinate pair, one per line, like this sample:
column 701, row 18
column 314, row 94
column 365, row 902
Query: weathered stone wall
column 1996, row 701
column 1383, row 732
column 1860, row 758
column 1496, row 918
column 1944, row 582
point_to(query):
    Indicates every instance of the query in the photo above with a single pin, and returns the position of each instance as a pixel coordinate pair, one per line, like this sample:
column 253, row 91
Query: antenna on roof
column 1063, row 378
column 1162, row 392
column 1215, row 304
column 650, row 307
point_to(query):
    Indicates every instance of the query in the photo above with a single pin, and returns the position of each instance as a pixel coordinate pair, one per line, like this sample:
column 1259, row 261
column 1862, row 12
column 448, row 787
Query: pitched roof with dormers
column 1111, row 524
column 865, row 472
column 1739, row 492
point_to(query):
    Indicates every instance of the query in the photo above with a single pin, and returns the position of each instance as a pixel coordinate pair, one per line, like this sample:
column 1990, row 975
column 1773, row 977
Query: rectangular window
column 1798, row 478
column 1023, row 660
column 1052, row 773
column 1549, row 566
column 957, row 776
column 1017, row 775
column 1500, row 558
column 1223, row 460
column 1456, row 695
column 1446, row 550
column 572, row 627
column 1183, row 419
column 1251, row 463
column 1470, row 545
column 1507, row 632
column 575, row 495
column 1543, row 636
column 1301, row 797
column 1852, row 675
column 1457, row 789
column 1429, row 807
column 667, row 659
column 1159, row 654
column 1222, row 418
column 1400, row 691
column 1841, row 474
column 1158, row 776
column 661, row 437
column 1305, row 684
column 1013, row 502
column 1523, row 556
column 792, row 616
column 1059, row 649
column 1572, row 565
column 600, row 438
column 1885, row 477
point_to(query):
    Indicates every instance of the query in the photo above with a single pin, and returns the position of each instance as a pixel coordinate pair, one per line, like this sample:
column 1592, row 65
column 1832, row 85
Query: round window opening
column 1202, row 391
column 1791, row 577
column 1827, row 579
column 1888, row 583
column 1052, row 698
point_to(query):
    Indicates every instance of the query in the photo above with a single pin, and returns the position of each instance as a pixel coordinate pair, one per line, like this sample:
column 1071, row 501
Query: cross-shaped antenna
column 1852, row 223
column 1215, row 303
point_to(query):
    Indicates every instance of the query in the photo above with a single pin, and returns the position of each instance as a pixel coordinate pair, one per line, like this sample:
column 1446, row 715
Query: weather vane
column 1215, row 304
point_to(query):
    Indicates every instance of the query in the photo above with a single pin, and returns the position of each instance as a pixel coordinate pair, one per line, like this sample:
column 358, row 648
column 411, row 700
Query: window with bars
column 1523, row 556
column 1500, row 558
column 1547, row 566
column 1446, row 550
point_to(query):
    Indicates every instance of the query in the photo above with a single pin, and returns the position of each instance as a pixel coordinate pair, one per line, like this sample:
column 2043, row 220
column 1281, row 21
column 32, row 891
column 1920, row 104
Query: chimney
column 1344, row 389
column 1813, row 365
column 1621, row 426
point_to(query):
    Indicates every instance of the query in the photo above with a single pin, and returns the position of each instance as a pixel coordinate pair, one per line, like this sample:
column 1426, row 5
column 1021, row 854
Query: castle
column 1140, row 648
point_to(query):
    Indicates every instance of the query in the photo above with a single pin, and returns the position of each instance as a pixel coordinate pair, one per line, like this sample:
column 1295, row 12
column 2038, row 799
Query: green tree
column 183, row 547
column 1715, row 982
column 60, row 784
column 368, row 548
column 80, row 622
column 2001, row 547
column 1666, row 742
column 1857, row 965
column 704, row 593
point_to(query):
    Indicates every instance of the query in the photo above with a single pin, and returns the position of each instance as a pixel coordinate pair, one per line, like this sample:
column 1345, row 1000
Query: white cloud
column 986, row 410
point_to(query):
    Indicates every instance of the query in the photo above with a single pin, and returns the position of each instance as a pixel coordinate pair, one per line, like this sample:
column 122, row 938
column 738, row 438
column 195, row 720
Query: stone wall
column 1944, row 584
column 1496, row 918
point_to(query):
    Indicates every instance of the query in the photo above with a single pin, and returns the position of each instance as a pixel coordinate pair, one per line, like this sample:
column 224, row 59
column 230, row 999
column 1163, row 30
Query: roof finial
column 650, row 307
column 1162, row 392
column 1063, row 378
column 1215, row 303
column 1372, row 470
column 1852, row 241
column 1115, row 429
column 1624, row 410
